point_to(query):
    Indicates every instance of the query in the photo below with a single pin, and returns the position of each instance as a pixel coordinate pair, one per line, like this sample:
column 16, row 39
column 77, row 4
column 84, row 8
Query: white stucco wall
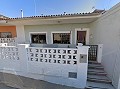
column 106, row 31
column 52, row 28
column 20, row 34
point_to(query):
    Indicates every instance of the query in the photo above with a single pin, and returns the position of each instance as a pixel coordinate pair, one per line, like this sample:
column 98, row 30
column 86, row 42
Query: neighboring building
column 6, row 31
column 66, row 31
column 106, row 30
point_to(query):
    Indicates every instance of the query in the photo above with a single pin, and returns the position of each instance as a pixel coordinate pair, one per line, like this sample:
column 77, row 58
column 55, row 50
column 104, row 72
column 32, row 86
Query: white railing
column 65, row 66
column 7, row 40
column 3, row 44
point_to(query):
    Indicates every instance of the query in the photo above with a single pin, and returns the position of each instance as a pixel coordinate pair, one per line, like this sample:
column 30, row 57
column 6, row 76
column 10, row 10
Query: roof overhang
column 58, row 20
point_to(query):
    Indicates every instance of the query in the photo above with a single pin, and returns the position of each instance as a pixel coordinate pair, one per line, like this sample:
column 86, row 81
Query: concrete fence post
column 23, row 56
column 82, row 65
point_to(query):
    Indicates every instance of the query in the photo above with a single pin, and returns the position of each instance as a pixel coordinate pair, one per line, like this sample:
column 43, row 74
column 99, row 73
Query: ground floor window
column 5, row 35
column 39, row 38
column 61, row 38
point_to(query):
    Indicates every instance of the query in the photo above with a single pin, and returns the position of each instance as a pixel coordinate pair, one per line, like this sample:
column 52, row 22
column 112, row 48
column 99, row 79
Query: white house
column 48, row 47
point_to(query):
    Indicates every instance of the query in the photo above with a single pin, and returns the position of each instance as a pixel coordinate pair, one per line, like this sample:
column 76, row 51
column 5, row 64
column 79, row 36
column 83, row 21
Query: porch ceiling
column 38, row 21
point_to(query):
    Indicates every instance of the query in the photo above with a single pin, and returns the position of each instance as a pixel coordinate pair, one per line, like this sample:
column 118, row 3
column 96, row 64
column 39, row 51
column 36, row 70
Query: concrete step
column 97, row 73
column 95, row 70
column 96, row 67
column 97, row 77
column 96, row 85
column 91, row 87
column 93, row 62
column 99, row 80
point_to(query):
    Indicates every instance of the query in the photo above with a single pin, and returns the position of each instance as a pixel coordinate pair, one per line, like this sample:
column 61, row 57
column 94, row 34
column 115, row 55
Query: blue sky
column 12, row 8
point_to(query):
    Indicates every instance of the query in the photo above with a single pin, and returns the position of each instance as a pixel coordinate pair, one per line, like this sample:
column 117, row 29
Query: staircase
column 97, row 77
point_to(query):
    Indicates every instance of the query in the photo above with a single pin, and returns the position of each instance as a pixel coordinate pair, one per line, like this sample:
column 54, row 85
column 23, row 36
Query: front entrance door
column 81, row 37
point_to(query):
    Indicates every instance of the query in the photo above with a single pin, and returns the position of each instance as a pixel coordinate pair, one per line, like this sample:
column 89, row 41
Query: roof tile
column 59, row 15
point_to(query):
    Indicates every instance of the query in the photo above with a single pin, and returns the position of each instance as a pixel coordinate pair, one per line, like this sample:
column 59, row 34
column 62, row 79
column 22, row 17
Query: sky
column 12, row 8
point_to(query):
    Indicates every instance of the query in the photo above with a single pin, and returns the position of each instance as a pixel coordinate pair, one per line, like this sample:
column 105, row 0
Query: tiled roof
column 3, row 17
column 95, row 12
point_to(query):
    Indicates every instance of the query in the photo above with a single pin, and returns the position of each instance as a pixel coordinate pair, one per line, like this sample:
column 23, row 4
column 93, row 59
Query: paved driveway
column 3, row 86
column 46, row 86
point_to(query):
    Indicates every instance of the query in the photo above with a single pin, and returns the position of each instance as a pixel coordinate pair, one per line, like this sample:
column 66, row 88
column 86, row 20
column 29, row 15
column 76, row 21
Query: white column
column 82, row 65
column 20, row 34
column 99, row 53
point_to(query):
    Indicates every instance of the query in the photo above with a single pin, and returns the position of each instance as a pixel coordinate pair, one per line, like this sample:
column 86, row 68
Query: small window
column 61, row 38
column 5, row 35
column 39, row 38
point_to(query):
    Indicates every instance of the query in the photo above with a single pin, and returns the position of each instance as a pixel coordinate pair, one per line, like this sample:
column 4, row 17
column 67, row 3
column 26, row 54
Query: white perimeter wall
column 106, row 31
column 49, row 64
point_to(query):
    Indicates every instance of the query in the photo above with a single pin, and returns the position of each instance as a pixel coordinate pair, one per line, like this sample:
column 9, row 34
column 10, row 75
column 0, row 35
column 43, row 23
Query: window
column 39, row 38
column 61, row 38
column 5, row 35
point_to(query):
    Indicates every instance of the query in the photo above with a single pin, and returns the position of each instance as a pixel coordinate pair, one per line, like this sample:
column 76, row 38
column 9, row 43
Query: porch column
column 20, row 34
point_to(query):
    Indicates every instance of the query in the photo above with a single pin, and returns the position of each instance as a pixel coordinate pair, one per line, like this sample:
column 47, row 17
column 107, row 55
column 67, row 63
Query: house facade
column 63, row 32
column 51, row 47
